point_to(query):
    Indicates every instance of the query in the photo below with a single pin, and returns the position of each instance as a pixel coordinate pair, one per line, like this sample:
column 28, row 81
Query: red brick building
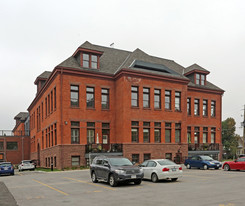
column 15, row 144
column 106, row 100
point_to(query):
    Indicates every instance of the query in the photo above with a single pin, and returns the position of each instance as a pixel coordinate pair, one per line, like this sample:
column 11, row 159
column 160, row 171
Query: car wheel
column 174, row 179
column 154, row 177
column 112, row 181
column 205, row 167
column 94, row 178
column 188, row 166
column 137, row 182
column 226, row 167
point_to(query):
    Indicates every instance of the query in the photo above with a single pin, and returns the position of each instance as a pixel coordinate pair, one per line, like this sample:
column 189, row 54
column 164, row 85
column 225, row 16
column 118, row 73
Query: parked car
column 6, row 168
column 26, row 165
column 242, row 155
column 159, row 169
column 202, row 161
column 114, row 169
column 238, row 164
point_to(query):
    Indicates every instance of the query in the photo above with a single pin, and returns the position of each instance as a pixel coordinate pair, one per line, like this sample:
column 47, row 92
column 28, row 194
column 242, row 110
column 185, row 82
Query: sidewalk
column 6, row 198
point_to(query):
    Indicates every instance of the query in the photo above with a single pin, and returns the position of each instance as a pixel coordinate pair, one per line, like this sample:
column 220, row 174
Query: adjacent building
column 15, row 144
column 111, row 101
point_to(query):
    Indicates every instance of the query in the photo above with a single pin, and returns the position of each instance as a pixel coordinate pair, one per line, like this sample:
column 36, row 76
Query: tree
column 229, row 138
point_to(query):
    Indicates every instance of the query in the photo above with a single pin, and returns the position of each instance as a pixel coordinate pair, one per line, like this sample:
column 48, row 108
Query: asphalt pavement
column 6, row 198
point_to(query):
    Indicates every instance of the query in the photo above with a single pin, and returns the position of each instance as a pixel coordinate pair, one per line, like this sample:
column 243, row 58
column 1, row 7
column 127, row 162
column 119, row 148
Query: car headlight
column 120, row 172
column 211, row 163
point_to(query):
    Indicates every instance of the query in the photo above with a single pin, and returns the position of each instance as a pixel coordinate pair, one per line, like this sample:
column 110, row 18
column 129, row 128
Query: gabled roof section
column 44, row 76
column 195, row 68
column 22, row 116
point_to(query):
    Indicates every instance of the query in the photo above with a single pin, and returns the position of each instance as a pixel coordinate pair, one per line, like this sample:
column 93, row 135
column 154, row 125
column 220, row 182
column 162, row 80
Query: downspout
column 61, row 119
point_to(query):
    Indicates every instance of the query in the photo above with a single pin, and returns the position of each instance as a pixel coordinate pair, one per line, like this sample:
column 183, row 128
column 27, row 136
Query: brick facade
column 52, row 114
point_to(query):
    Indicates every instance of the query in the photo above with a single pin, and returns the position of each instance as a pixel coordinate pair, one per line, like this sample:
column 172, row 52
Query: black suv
column 115, row 169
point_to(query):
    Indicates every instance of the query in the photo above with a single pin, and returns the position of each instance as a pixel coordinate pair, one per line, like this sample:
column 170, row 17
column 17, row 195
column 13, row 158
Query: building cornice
column 205, row 90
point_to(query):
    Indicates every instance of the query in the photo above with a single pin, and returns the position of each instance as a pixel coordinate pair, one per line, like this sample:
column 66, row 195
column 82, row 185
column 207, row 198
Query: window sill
column 178, row 111
column 146, row 108
column 90, row 108
column 74, row 107
column 134, row 107
column 105, row 110
column 157, row 109
column 168, row 110
column 205, row 116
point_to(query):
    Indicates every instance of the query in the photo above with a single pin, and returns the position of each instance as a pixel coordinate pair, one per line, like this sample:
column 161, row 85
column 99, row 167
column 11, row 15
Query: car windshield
column 5, row 165
column 120, row 162
column 207, row 158
column 27, row 162
column 165, row 162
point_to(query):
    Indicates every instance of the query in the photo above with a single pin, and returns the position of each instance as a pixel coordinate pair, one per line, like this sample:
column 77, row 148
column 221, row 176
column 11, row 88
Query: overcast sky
column 38, row 35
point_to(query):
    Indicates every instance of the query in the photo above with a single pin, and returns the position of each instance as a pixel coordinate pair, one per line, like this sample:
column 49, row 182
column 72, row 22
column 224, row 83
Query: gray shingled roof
column 195, row 67
column 22, row 116
column 113, row 60
column 44, row 75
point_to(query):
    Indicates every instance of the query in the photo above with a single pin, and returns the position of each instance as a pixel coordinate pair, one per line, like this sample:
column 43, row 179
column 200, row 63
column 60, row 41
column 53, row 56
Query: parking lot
column 196, row 187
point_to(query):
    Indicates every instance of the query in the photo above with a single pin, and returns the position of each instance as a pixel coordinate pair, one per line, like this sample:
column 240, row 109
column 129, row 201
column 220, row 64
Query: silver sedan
column 160, row 169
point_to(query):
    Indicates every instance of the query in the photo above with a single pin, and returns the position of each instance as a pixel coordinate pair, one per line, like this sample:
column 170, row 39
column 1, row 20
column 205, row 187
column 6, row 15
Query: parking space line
column 50, row 187
column 109, row 188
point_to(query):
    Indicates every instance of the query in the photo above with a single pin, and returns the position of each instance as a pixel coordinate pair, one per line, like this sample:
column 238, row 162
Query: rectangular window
column 196, row 107
column 1, row 146
column 74, row 96
column 75, row 161
column 55, row 98
column 135, row 158
column 189, row 135
column 167, row 99
column 134, row 96
column 48, row 104
column 205, row 135
column 189, row 106
column 167, row 132
column 168, row 156
column 46, row 107
column 202, row 79
column 177, row 101
column 146, row 97
column 213, row 131
column 196, row 135
column 135, row 131
column 157, row 98
column 52, row 101
column 205, row 108
column 213, row 108
column 94, row 62
column 90, row 97
column 75, row 139
column 42, row 111
column 55, row 134
column 177, row 132
column 146, row 131
column 197, row 78
column 90, row 132
column 105, row 133
column 12, row 145
column 105, row 98
column 147, row 156
column 86, row 60
column 157, row 131
column 42, row 139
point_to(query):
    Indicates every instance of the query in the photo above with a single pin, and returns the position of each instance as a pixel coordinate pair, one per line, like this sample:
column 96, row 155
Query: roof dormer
column 197, row 74
column 88, row 58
